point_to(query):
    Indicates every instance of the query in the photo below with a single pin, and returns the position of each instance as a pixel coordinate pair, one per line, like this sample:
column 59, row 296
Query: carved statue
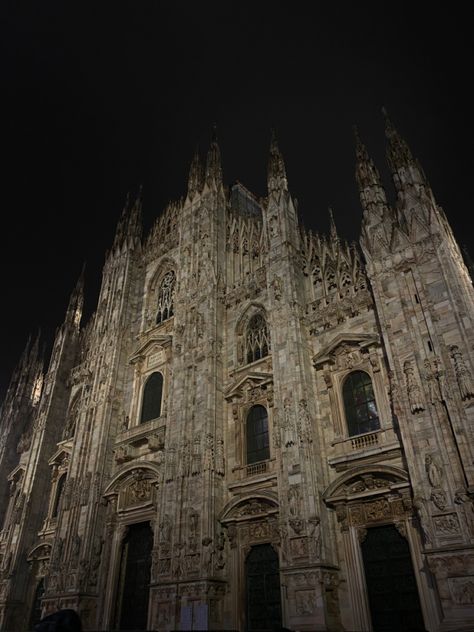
column 463, row 374
column 288, row 428
column 413, row 389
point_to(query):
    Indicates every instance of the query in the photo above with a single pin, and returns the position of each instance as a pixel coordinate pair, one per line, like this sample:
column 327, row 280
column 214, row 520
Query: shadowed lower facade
column 259, row 426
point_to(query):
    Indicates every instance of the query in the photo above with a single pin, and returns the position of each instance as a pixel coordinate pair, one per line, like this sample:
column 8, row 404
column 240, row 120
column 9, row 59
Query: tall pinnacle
column 213, row 162
column 196, row 175
column 332, row 227
column 276, row 179
column 372, row 194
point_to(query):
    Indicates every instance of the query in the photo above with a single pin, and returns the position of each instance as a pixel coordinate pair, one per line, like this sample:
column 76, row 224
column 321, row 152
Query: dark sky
column 101, row 97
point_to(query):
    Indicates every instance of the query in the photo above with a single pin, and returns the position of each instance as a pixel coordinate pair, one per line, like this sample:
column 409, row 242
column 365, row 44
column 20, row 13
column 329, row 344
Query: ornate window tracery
column 166, row 297
column 257, row 339
column 152, row 396
column 359, row 404
column 258, row 445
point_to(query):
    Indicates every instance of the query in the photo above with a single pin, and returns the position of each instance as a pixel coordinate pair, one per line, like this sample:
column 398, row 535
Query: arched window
column 359, row 404
column 57, row 498
column 152, row 395
column 166, row 297
column 257, row 339
column 257, row 435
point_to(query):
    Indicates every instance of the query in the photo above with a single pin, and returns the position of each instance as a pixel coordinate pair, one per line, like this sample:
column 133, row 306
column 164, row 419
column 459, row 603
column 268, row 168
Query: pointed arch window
column 258, row 445
column 257, row 339
column 359, row 404
column 166, row 297
column 152, row 396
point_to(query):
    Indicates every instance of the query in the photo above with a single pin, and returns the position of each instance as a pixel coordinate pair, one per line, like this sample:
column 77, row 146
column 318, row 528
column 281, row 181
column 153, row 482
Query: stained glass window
column 359, row 404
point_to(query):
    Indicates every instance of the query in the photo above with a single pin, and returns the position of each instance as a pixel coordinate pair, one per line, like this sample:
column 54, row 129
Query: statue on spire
column 213, row 162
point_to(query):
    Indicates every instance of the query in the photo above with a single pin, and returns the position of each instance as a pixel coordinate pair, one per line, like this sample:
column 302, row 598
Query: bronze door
column 134, row 583
column 263, row 597
column 391, row 584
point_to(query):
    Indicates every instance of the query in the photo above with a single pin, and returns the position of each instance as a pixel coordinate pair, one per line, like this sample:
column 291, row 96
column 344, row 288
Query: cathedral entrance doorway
column 391, row 584
column 262, row 589
column 134, row 578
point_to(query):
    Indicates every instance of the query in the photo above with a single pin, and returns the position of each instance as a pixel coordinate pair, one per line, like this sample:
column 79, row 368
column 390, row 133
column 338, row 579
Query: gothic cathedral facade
column 258, row 427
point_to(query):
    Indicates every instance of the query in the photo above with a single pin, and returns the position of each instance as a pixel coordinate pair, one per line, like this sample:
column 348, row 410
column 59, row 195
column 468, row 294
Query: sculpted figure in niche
column 463, row 374
column 413, row 389
column 433, row 471
column 289, row 435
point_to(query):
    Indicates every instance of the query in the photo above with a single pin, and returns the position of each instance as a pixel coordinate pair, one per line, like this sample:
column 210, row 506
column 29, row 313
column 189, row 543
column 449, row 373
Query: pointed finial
column 332, row 226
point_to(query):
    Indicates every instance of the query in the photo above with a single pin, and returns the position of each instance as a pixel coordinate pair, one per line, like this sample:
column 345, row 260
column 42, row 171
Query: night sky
column 101, row 97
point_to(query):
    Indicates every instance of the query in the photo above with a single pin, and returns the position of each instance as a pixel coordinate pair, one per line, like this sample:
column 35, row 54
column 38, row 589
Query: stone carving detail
column 413, row 388
column 314, row 532
column 462, row 590
column 463, row 374
column 466, row 506
column 139, row 490
column 305, row 425
column 220, row 461
column 196, row 461
column 448, row 524
column 288, row 426
column 305, row 602
column 434, row 474
column 209, row 452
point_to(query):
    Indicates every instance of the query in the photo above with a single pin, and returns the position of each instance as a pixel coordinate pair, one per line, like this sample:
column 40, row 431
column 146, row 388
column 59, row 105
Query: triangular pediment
column 340, row 342
column 146, row 347
column 62, row 453
column 247, row 382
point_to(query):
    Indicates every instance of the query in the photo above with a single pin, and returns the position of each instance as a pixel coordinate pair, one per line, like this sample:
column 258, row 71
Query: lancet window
column 166, row 297
column 257, row 338
column 152, row 396
column 58, row 495
column 359, row 404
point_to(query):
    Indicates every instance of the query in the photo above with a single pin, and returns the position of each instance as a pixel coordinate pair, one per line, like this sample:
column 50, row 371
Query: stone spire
column 196, row 175
column 276, row 179
column 213, row 162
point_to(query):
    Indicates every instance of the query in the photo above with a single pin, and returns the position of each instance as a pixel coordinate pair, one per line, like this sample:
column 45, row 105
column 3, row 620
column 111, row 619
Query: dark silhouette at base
column 61, row 621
